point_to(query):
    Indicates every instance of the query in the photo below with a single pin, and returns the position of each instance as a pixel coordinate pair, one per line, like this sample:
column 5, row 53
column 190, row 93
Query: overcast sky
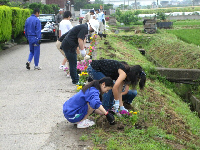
column 142, row 2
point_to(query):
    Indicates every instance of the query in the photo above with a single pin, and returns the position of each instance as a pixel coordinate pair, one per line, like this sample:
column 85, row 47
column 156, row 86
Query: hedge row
column 12, row 21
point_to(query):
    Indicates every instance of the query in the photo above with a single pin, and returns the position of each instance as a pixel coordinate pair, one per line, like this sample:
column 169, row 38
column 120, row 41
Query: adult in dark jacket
column 72, row 40
column 33, row 34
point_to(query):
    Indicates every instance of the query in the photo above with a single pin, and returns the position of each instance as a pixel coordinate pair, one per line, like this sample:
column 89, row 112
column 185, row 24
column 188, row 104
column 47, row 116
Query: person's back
column 33, row 34
column 80, row 31
column 65, row 24
column 79, row 100
column 30, row 27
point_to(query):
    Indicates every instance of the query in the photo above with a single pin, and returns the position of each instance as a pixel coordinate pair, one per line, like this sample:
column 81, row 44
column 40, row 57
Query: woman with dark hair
column 86, row 101
column 121, row 73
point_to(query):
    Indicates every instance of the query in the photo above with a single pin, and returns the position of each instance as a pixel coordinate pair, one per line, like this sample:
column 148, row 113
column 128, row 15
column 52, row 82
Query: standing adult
column 72, row 40
column 33, row 34
column 59, row 16
column 65, row 26
column 100, row 18
column 122, row 73
column 88, row 16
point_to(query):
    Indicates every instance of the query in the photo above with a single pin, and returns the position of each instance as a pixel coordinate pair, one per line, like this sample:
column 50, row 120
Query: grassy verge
column 187, row 35
column 171, row 52
column 164, row 120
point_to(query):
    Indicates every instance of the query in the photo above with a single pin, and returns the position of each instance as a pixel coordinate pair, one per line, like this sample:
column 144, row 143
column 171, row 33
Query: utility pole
column 135, row 4
column 124, row 4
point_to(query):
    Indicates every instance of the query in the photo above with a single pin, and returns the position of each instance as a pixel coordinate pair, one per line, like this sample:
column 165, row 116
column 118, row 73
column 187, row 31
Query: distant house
column 174, row 2
column 61, row 3
column 164, row 3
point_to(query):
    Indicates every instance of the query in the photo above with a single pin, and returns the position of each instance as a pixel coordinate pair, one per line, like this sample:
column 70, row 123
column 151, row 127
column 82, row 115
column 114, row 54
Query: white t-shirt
column 65, row 26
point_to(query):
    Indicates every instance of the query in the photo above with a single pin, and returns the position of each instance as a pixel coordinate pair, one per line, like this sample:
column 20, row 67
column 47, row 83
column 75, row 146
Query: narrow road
column 31, row 102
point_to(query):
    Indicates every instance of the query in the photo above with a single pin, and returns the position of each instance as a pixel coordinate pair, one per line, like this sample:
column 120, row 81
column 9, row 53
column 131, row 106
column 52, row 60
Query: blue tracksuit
column 76, row 107
column 33, row 34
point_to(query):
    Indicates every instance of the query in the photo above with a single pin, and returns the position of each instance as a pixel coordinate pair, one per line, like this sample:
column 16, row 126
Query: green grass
column 186, row 23
column 162, row 114
column 171, row 52
column 187, row 35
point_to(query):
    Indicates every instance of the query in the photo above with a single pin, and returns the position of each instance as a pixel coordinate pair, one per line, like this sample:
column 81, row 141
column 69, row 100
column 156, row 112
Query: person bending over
column 86, row 101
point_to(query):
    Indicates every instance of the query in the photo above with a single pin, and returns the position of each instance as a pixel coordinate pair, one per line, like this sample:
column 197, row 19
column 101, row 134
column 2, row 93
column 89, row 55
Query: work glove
column 39, row 42
column 83, row 52
column 110, row 118
column 116, row 105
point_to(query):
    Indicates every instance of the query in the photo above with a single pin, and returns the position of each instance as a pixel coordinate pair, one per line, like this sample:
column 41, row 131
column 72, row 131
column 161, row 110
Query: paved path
column 31, row 102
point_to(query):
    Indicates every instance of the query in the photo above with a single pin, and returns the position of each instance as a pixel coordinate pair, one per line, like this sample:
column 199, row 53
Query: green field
column 187, row 35
column 186, row 23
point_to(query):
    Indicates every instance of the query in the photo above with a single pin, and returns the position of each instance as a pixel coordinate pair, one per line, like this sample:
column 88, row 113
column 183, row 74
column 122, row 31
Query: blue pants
column 72, row 58
column 34, row 50
column 108, row 98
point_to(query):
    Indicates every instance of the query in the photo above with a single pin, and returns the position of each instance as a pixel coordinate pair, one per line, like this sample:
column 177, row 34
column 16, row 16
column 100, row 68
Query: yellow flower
column 80, row 74
column 135, row 113
column 94, row 34
column 85, row 73
column 90, row 37
column 79, row 87
column 131, row 111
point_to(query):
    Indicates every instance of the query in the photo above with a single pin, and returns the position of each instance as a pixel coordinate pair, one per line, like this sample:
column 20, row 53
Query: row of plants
column 12, row 20
column 164, row 120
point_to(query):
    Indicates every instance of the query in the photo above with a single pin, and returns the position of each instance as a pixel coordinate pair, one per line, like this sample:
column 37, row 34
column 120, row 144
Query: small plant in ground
column 84, row 138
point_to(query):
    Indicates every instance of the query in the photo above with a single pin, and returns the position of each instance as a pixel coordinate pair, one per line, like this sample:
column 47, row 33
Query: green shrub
column 127, row 17
column 5, row 23
column 12, row 21
column 19, row 17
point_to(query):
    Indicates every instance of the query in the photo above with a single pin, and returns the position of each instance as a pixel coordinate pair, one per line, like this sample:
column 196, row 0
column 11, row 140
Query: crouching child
column 86, row 101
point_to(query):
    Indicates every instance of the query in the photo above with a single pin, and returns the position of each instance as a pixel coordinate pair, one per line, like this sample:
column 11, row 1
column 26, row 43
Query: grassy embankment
column 164, row 120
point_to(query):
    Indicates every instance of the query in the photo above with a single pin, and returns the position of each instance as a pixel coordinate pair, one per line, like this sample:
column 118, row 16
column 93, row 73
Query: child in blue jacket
column 86, row 101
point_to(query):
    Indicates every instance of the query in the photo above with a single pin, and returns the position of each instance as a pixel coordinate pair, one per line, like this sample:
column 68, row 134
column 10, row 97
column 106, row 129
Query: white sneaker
column 68, row 75
column 85, row 124
column 37, row 68
column 91, row 122
column 62, row 67
column 122, row 108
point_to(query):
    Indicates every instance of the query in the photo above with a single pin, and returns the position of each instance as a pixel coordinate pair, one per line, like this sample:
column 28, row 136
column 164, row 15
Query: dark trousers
column 72, row 58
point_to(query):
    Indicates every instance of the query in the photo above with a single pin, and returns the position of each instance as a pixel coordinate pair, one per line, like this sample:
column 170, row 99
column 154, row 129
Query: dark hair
column 92, row 11
column 97, row 10
column 67, row 14
column 96, row 83
column 125, row 65
column 135, row 75
column 36, row 10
